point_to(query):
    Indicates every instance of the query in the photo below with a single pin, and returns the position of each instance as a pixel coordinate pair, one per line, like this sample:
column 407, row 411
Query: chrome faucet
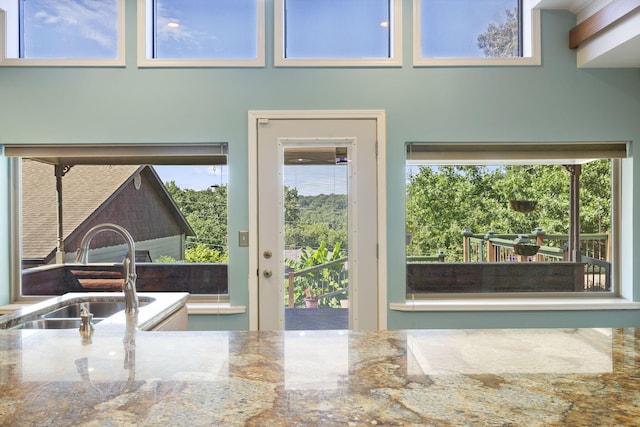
column 129, row 287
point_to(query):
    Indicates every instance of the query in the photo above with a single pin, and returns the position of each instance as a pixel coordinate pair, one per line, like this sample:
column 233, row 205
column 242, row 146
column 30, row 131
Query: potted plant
column 312, row 280
column 311, row 297
column 522, row 246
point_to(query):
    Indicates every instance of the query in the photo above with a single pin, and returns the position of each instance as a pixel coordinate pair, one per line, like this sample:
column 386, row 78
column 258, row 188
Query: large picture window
column 329, row 32
column 64, row 32
column 173, row 202
column 537, row 219
column 475, row 32
column 201, row 33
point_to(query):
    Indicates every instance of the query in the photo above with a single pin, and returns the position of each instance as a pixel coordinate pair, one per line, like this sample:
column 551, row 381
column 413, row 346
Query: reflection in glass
column 524, row 351
column 315, row 360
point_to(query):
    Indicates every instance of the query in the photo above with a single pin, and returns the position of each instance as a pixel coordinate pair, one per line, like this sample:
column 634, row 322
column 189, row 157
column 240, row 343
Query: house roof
column 86, row 189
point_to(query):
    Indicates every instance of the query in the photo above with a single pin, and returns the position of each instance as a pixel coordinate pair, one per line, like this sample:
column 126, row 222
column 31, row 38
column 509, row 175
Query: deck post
column 491, row 253
column 466, row 245
column 539, row 232
column 574, row 212
column 291, row 298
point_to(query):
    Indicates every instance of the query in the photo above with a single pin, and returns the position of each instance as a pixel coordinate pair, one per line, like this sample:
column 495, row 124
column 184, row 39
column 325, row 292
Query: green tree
column 443, row 201
column 291, row 206
column 206, row 213
column 203, row 253
column 501, row 40
column 310, row 220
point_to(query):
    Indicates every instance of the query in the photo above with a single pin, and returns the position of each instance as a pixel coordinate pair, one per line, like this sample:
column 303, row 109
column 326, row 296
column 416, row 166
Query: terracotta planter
column 523, row 206
column 311, row 302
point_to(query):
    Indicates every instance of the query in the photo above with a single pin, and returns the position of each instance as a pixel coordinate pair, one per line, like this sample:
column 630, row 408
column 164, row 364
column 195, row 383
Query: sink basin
column 97, row 308
column 52, row 324
column 63, row 312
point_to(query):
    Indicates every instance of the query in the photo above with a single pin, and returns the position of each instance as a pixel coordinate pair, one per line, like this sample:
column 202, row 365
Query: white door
column 349, row 146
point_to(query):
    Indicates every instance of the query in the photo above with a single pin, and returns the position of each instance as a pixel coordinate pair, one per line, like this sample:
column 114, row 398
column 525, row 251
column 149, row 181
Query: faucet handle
column 86, row 317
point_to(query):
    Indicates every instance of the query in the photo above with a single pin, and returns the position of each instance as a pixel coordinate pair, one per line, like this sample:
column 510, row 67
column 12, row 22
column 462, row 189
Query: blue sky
column 70, row 29
column 206, row 29
column 194, row 177
column 309, row 180
column 450, row 28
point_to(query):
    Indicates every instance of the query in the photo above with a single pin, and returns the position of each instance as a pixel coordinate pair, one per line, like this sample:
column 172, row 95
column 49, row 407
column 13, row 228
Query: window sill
column 80, row 63
column 215, row 308
column 516, row 304
column 10, row 308
column 192, row 308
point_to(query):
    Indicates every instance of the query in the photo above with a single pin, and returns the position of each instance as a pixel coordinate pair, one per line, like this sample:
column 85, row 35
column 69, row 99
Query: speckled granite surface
column 578, row 377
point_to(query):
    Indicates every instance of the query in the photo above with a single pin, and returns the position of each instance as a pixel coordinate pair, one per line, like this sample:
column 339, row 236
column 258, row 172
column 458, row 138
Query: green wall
column 552, row 102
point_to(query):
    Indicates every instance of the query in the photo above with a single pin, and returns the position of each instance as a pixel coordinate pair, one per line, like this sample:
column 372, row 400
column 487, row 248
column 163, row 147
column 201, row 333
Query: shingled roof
column 86, row 189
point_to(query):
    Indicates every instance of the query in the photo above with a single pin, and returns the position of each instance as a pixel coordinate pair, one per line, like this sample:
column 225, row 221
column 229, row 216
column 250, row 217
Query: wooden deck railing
column 492, row 247
column 342, row 277
column 595, row 250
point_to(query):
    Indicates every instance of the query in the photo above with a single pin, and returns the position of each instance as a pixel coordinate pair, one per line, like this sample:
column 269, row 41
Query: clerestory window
column 201, row 33
column 512, row 219
column 338, row 33
column 61, row 33
column 475, row 32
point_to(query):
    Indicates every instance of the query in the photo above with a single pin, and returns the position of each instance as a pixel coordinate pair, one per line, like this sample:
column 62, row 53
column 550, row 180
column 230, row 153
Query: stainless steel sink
column 108, row 309
column 99, row 309
column 52, row 324
column 68, row 316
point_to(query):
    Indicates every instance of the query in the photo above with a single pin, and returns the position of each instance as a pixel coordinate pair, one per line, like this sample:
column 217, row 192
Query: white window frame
column 140, row 153
column 530, row 43
column 145, row 28
column 396, row 45
column 6, row 22
column 523, row 153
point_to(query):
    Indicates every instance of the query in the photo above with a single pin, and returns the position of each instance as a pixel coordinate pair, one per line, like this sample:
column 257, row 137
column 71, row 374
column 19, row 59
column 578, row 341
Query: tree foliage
column 206, row 213
column 203, row 253
column 444, row 201
column 310, row 220
column 501, row 40
column 319, row 283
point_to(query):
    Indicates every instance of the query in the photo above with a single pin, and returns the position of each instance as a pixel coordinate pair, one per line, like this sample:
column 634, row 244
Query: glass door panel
column 316, row 237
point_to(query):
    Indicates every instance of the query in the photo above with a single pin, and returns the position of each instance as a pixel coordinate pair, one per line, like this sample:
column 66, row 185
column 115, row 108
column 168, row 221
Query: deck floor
column 297, row 319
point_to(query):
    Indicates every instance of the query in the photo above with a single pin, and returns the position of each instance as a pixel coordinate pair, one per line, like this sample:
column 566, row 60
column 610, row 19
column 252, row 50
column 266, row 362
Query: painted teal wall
column 552, row 102
column 212, row 322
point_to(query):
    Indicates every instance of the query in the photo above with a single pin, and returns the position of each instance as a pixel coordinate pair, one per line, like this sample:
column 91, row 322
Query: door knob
column 267, row 273
column 267, row 254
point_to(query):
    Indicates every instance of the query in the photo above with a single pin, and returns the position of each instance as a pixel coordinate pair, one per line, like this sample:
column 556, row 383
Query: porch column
column 60, row 171
column 574, row 212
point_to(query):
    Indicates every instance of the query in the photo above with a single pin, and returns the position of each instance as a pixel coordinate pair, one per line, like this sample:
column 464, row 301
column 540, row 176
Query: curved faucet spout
column 129, row 288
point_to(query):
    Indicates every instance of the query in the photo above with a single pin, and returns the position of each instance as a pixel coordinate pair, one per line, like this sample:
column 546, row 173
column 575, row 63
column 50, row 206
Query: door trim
column 254, row 117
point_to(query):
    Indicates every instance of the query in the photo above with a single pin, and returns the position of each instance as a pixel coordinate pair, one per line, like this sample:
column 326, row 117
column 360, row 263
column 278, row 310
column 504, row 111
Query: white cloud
column 92, row 19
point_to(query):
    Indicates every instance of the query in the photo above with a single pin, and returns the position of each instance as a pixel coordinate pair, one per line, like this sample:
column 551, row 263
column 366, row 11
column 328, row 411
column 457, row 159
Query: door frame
column 254, row 118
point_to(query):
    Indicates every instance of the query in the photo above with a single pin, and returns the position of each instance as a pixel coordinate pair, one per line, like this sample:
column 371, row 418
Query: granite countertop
column 528, row 377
